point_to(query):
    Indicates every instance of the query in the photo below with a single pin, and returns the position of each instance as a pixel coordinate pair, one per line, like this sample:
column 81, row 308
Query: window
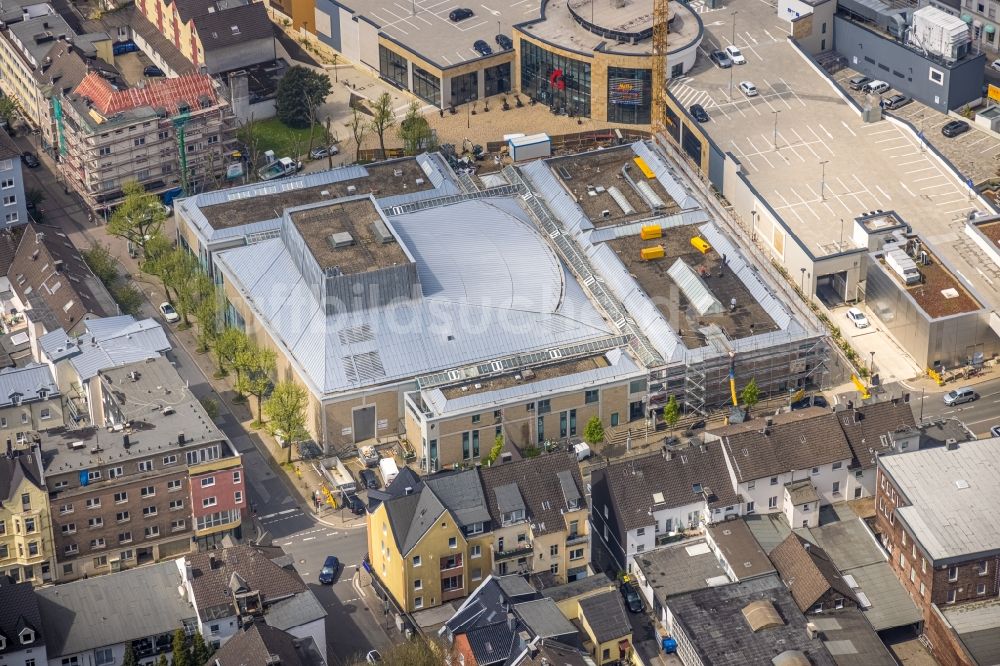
column 923, row 590
column 208, row 481
column 176, row 505
column 29, row 525
column 125, row 537
column 815, row 471
column 139, row 141
column 475, row 418
column 772, row 502
column 145, row 465
column 952, row 574
column 475, row 551
column 3, row 527
column 170, row 460
column 152, row 532
column 93, row 503
column 750, row 507
column 923, row 565
column 453, row 542
column 98, row 543
column 121, row 497
column 980, row 589
column 902, row 561
column 416, row 560
column 66, row 508
column 10, row 201
column 576, row 554
column 162, row 135
column 952, row 595
column 936, row 76
column 147, row 491
column 122, row 517
column 606, row 654
column 237, row 478
column 7, row 183
column 836, row 487
column 418, row 602
column 94, row 523
column 591, row 396
column 173, row 484
column 451, row 583
column 984, row 568
column 544, row 407
column 418, row 584
column 126, row 554
column 103, row 656
column 751, row 485
column 105, row 150
column 214, row 628
column 774, row 480
column 238, row 496
column 177, row 525
column 838, row 464
column 101, row 561
column 148, row 511
column 208, row 501
column 69, row 528
column 554, row 550
column 71, row 549
column 913, row 574
column 10, row 217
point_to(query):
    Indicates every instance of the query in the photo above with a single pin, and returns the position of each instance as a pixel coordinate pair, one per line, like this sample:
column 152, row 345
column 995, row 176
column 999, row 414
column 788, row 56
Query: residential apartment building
column 27, row 549
column 539, row 514
column 811, row 576
column 234, row 588
column 875, row 429
column 641, row 503
column 935, row 515
column 219, row 36
column 152, row 478
column 30, row 402
column 432, row 544
column 764, row 455
column 22, row 637
column 14, row 209
column 170, row 134
column 459, row 423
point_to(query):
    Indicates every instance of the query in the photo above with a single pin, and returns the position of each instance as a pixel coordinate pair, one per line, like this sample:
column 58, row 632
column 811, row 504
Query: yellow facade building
column 26, row 545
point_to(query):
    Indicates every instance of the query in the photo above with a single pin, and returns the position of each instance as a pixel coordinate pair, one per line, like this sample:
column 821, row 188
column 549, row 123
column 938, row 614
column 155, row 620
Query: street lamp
column 871, row 368
column 802, row 281
column 822, row 184
column 733, row 40
column 468, row 113
column 775, row 141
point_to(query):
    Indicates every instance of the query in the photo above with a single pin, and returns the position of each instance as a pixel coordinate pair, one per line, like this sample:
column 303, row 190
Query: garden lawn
column 285, row 141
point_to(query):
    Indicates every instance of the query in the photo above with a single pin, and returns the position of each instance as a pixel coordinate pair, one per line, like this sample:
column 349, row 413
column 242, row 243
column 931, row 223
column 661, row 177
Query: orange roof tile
column 168, row 93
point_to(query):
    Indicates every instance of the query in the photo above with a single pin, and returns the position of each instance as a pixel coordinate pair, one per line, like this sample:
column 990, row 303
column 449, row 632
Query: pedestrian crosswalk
column 687, row 95
column 699, row 7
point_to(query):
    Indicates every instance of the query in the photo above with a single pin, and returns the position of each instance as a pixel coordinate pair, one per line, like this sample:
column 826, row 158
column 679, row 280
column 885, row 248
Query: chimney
column 951, row 444
column 408, row 490
column 768, row 421
column 211, row 561
column 668, row 455
column 511, row 619
column 125, row 442
column 187, row 569
column 180, row 439
column 806, row 545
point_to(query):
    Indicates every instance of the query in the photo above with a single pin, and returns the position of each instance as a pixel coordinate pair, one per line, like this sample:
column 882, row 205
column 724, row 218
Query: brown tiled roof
column 170, row 94
column 866, row 428
column 539, row 483
column 258, row 645
column 69, row 290
column 8, row 149
column 9, row 240
column 801, row 439
column 632, row 483
column 216, row 29
column 808, row 572
column 211, row 584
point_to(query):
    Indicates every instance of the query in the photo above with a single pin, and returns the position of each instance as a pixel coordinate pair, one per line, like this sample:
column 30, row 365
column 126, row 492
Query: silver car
column 960, row 396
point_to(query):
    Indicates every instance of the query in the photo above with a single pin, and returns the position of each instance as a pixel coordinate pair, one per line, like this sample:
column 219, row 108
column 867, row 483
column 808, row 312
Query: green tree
column 180, row 272
column 300, row 92
column 180, row 650
column 671, row 412
column 162, row 661
column 8, row 109
column 495, row 450
column 256, row 365
column 286, row 410
column 138, row 218
column 129, row 658
column 101, row 263
column 207, row 314
column 383, row 118
column 199, row 650
column 211, row 408
column 750, row 395
column 415, row 131
column 415, row 652
column 129, row 298
column 358, row 128
column 593, row 432
column 228, row 346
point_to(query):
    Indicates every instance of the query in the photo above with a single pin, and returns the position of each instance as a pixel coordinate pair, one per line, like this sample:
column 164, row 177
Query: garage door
column 364, row 423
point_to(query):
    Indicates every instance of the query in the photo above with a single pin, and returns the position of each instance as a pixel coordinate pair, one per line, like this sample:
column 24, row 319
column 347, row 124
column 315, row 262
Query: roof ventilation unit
column 382, row 232
column 341, row 239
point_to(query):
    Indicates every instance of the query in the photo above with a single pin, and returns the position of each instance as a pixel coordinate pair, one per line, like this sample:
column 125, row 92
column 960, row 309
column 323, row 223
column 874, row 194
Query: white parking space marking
column 923, row 161
column 931, row 187
column 883, row 193
column 846, row 126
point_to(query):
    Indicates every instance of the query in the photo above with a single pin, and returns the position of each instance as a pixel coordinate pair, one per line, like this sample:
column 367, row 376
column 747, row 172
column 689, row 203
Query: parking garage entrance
column 831, row 288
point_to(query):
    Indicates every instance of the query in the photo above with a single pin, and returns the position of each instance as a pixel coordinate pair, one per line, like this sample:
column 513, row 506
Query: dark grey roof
column 492, row 643
column 851, row 640
column 578, row 587
column 295, row 611
column 19, row 610
column 635, row 485
column 605, row 614
column 680, row 567
column 568, row 486
column 9, row 149
column 515, row 586
column 740, row 549
column 544, row 618
column 539, row 489
column 978, row 627
column 713, row 620
column 25, row 466
column 234, row 26
column 509, row 498
column 411, row 516
column 107, row 610
column 26, row 382
column 406, row 478
column 260, row 643
column 462, row 494
column 867, row 428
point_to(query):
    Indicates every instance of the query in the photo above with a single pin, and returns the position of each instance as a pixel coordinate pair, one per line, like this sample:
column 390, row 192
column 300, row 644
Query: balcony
column 519, row 551
column 576, row 538
column 452, row 564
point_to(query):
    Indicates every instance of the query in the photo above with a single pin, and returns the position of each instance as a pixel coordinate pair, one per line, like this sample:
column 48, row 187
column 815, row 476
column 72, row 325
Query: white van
column 877, row 87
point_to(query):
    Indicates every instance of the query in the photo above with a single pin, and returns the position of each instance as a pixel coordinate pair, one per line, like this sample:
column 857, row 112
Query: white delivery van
column 582, row 451
column 389, row 470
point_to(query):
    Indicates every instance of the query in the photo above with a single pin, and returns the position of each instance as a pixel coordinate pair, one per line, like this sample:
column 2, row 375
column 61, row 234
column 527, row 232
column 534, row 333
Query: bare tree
column 358, row 127
column 383, row 118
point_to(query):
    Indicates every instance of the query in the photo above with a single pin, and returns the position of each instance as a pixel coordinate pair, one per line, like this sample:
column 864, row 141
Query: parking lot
column 809, row 153
column 976, row 153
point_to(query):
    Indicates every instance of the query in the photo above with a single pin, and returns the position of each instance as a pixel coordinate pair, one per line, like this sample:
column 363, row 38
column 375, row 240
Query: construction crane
column 661, row 16
column 180, row 121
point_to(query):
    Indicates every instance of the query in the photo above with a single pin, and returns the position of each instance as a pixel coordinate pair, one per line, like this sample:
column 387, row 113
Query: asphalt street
column 352, row 629
column 979, row 415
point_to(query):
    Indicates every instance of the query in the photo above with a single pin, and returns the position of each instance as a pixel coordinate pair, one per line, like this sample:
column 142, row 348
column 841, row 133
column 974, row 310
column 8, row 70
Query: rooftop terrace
column 749, row 318
column 589, row 175
column 383, row 179
column 343, row 236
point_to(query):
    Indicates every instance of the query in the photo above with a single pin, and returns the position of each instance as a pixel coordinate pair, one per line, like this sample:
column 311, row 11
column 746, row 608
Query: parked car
column 368, row 479
column 320, row 152
column 954, row 128
column 895, row 102
column 748, row 88
column 30, row 159
column 858, row 318
column 169, row 313
column 721, row 59
column 810, row 401
column 631, row 597
column 858, row 82
column 876, row 87
column 735, row 55
column 960, row 396
column 482, row 48
column 698, row 113
column 996, row 64
column 460, row 14
column 329, row 571
column 504, row 42
column 373, row 657
column 995, row 431
column 152, row 70
column 354, row 503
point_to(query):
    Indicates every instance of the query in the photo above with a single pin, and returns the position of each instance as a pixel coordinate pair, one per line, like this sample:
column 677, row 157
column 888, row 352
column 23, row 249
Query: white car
column 858, row 318
column 748, row 88
column 735, row 55
column 169, row 313
column 373, row 657
column 996, row 64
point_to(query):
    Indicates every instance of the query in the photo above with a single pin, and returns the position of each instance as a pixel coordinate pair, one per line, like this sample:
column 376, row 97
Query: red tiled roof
column 167, row 94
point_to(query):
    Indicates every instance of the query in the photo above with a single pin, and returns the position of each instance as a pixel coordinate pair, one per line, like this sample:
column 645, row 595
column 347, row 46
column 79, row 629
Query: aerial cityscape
column 516, row 333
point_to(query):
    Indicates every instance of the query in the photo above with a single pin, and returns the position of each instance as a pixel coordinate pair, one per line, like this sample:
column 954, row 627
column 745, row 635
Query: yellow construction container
column 701, row 244
column 643, row 167
column 651, row 231
column 650, row 253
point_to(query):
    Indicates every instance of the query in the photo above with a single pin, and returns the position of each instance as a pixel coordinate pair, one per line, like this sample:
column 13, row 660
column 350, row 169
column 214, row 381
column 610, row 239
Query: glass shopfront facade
column 630, row 95
column 464, row 88
column 496, row 79
column 392, row 66
column 558, row 82
column 426, row 86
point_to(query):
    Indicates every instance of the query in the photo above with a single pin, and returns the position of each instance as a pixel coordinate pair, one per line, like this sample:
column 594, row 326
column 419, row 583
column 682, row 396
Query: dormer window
column 42, row 393
column 27, row 637
column 512, row 517
column 15, row 398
